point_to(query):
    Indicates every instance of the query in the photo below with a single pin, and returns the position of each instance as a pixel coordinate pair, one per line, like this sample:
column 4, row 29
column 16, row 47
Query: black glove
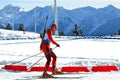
column 58, row 45
column 50, row 49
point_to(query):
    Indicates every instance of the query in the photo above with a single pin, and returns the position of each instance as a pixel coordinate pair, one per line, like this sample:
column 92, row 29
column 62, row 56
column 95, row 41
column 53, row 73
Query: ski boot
column 55, row 71
column 46, row 75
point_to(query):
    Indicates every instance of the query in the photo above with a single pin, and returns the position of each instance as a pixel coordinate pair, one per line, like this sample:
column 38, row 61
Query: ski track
column 73, row 76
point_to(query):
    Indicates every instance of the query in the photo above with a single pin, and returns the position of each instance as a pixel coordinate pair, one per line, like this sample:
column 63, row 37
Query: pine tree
column 80, row 32
column 61, row 33
column 21, row 27
column 9, row 27
column 75, row 31
column 118, row 31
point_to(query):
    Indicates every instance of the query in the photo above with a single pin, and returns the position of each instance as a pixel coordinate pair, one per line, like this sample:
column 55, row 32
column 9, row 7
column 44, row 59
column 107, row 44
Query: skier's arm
column 51, row 38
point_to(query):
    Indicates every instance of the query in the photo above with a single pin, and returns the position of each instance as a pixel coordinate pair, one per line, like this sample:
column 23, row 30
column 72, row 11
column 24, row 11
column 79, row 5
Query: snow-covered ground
column 72, row 51
column 73, row 76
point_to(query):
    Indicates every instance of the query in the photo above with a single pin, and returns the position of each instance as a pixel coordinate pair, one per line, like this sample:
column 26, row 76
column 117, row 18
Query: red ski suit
column 45, row 47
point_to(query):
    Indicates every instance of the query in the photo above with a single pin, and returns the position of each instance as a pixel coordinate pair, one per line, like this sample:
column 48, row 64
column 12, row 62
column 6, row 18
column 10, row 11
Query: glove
column 50, row 49
column 58, row 45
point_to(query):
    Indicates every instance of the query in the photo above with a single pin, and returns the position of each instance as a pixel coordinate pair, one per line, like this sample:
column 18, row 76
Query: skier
column 45, row 47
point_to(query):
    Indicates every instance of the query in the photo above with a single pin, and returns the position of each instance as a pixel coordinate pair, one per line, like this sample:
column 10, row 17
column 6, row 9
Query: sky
column 68, row 4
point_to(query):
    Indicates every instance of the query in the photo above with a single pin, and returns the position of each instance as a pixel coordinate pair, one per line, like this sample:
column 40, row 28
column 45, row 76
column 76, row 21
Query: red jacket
column 48, row 37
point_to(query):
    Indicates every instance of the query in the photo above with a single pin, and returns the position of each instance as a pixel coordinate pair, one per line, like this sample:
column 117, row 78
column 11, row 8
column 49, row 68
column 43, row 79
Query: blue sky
column 68, row 4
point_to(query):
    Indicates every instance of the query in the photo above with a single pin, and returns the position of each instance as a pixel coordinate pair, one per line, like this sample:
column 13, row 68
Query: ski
column 65, row 77
column 62, row 76
column 35, row 77
column 57, row 77
column 73, row 73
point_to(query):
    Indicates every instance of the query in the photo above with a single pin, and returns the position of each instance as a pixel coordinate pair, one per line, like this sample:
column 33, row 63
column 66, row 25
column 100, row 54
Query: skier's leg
column 54, row 68
column 44, row 48
column 54, row 58
column 53, row 62
column 47, row 65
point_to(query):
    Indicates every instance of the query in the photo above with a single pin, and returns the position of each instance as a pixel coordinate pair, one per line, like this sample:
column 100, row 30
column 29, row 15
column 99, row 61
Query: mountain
column 111, row 26
column 10, row 13
column 101, row 17
column 92, row 21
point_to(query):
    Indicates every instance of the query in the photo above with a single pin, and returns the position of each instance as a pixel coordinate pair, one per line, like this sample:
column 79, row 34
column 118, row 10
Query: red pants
column 45, row 47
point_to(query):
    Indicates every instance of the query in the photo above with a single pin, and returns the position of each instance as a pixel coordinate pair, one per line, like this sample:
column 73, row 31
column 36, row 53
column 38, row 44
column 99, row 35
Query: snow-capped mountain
column 91, row 20
column 10, row 13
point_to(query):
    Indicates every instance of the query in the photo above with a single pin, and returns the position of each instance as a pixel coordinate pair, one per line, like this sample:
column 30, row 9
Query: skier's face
column 54, row 29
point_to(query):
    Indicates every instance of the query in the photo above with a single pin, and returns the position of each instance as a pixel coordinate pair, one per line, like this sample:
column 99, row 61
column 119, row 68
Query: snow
column 72, row 51
column 84, row 76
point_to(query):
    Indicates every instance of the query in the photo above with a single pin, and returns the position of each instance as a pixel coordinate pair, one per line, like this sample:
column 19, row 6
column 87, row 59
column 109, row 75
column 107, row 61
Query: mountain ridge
column 89, row 19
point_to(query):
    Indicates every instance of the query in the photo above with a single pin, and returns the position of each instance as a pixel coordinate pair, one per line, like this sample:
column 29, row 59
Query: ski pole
column 40, row 59
column 25, row 58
